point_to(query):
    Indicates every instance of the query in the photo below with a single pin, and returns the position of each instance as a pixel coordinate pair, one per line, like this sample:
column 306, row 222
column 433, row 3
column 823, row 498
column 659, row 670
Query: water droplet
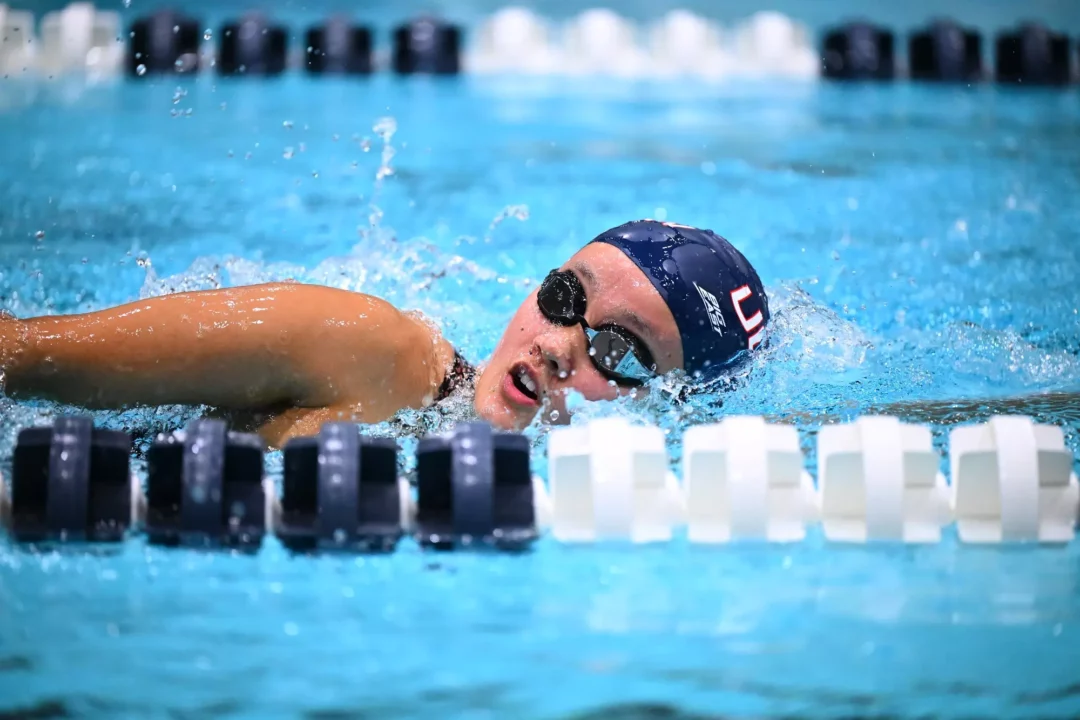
column 140, row 69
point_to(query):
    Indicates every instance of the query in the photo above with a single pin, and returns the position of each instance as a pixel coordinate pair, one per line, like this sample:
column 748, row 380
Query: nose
column 558, row 349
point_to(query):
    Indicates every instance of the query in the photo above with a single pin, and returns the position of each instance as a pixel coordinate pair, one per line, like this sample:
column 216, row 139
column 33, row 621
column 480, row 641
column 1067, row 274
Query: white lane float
column 880, row 481
column 744, row 480
column 1012, row 482
column 513, row 40
column 602, row 42
column 682, row 43
column 17, row 42
column 609, row 480
column 81, row 39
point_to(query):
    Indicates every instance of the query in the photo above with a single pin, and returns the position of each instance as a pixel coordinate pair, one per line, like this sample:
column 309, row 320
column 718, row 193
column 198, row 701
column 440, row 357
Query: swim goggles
column 616, row 352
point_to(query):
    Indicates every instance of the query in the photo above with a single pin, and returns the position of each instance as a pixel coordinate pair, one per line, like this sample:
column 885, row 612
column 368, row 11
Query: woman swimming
column 640, row 300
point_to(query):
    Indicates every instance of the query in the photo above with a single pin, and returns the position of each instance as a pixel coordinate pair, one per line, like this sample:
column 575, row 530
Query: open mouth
column 524, row 382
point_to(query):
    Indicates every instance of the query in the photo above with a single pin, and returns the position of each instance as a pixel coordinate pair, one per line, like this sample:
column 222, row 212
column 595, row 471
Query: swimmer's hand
column 248, row 348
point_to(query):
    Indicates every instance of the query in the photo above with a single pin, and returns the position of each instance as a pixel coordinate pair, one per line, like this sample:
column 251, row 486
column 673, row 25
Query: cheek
column 520, row 334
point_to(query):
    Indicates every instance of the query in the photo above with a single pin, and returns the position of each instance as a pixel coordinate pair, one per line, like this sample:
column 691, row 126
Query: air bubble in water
column 140, row 69
column 208, row 34
column 554, row 415
column 340, row 536
column 39, row 235
column 287, row 124
column 288, row 154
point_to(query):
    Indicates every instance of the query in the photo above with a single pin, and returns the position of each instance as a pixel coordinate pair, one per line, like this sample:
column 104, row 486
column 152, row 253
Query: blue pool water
column 919, row 244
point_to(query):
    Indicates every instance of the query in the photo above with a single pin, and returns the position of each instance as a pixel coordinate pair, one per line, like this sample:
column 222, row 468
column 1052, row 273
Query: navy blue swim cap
column 712, row 291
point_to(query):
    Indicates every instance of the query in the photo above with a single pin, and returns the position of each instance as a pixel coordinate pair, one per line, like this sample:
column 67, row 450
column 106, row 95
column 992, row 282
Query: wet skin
column 289, row 356
column 555, row 357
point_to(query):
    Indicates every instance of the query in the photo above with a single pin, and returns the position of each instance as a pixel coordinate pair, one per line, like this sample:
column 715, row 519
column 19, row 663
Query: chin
column 499, row 415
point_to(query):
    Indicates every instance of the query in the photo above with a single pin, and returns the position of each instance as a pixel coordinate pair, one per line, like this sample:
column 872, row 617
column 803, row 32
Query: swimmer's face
column 554, row 359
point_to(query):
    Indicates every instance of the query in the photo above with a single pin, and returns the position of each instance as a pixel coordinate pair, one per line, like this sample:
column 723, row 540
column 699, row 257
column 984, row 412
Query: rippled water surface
column 919, row 246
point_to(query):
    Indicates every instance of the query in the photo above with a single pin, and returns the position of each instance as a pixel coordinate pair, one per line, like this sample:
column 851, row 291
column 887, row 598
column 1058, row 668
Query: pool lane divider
column 82, row 38
column 878, row 481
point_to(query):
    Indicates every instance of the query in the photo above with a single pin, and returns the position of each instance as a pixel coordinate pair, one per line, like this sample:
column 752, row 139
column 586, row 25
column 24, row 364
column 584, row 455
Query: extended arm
column 253, row 347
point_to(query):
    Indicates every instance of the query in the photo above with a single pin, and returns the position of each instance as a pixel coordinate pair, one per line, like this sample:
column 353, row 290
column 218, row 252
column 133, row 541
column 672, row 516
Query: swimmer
column 643, row 299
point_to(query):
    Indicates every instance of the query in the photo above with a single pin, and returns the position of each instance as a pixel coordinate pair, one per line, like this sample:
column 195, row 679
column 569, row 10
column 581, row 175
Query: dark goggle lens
column 561, row 298
column 618, row 357
column 608, row 349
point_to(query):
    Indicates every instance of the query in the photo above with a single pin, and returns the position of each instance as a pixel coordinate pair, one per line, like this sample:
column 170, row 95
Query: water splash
column 517, row 212
column 384, row 127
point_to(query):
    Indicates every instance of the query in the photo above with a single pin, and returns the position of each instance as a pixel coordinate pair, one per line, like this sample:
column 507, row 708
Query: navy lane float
column 71, row 482
column 474, row 488
column 163, row 43
column 204, row 487
column 341, row 492
column 946, row 52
